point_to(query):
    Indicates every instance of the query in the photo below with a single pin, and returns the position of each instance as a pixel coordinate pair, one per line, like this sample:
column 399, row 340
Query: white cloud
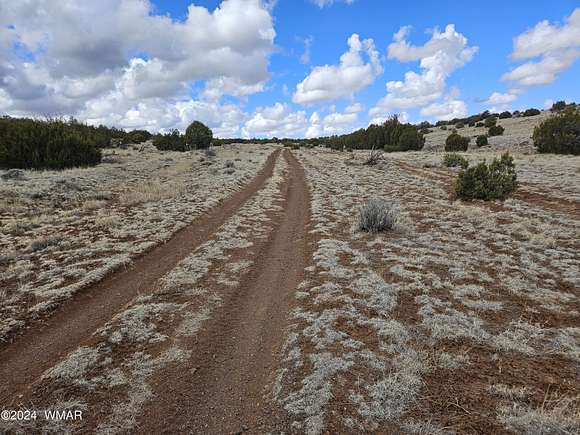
column 81, row 57
column 333, row 82
column 556, row 46
column 439, row 57
column 354, row 108
column 305, row 58
column 445, row 110
column 278, row 120
column 323, row 3
column 499, row 98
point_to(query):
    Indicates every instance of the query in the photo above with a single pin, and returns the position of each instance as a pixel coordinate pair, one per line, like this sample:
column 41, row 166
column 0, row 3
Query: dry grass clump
column 378, row 215
column 150, row 192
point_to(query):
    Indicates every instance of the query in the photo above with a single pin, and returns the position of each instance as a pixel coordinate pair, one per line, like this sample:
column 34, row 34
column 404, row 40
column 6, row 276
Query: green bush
column 495, row 130
column 198, row 136
column 295, row 146
column 391, row 148
column 173, row 141
column 443, row 127
column 490, row 122
column 531, row 112
column 480, row 124
column 425, row 131
column 456, row 142
column 487, row 182
column 558, row 106
column 50, row 144
column 472, row 123
column 459, row 125
column 481, row 140
column 559, row 134
column 453, row 160
column 137, row 136
column 410, row 139
column 505, row 115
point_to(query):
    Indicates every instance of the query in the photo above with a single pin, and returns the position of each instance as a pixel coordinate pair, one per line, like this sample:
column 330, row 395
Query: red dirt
column 45, row 343
column 225, row 387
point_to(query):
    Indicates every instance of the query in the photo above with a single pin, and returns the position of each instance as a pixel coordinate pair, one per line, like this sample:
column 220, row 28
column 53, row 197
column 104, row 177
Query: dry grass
column 60, row 231
column 457, row 291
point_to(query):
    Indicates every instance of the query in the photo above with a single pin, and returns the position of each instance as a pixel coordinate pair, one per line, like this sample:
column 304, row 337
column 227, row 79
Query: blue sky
column 245, row 83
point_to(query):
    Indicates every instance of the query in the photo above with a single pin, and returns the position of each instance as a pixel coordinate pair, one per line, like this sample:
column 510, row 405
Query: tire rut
column 44, row 344
column 226, row 385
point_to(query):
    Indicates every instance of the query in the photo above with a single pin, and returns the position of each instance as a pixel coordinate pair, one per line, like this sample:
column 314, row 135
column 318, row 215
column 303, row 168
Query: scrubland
column 463, row 319
column 60, row 231
column 459, row 318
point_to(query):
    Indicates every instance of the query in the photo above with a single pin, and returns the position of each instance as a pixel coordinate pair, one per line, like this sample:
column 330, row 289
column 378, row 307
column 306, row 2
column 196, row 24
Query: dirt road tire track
column 42, row 345
column 226, row 386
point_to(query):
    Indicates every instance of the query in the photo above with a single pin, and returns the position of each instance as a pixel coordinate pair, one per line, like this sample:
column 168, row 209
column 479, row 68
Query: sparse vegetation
column 495, row 130
column 481, row 140
column 456, row 142
column 559, row 134
column 378, row 215
column 505, row 115
column 490, row 122
column 488, row 182
column 452, row 160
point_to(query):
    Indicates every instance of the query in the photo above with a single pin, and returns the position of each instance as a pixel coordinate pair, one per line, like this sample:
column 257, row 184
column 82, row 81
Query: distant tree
column 504, row 115
column 531, row 112
column 558, row 106
column 456, row 142
column 198, row 136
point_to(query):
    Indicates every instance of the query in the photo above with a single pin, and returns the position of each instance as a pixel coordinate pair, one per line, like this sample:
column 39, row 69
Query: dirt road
column 225, row 385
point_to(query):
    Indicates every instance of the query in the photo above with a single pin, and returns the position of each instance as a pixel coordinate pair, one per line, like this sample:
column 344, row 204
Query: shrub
column 559, row 134
column 295, row 146
column 456, row 142
column 459, row 125
column 173, row 141
column 453, row 160
column 488, row 182
column 50, row 144
column 391, row 148
column 495, row 130
column 137, row 136
column 443, row 127
column 424, row 131
column 411, row 140
column 558, row 106
column 378, row 215
column 505, row 115
column 490, row 122
column 481, row 140
column 472, row 123
column 480, row 124
column 198, row 136
column 531, row 112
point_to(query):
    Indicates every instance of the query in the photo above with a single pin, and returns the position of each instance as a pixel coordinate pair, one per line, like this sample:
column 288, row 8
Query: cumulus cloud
column 445, row 110
column 278, row 120
column 439, row 57
column 75, row 57
column 332, row 124
column 554, row 47
column 333, row 82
